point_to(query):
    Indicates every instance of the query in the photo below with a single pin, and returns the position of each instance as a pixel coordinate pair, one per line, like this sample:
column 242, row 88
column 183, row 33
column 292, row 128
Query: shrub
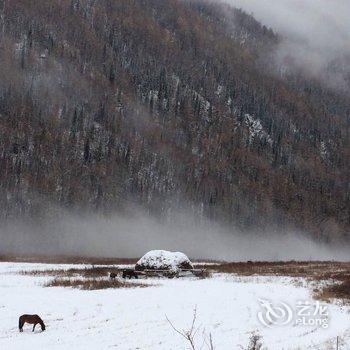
column 93, row 284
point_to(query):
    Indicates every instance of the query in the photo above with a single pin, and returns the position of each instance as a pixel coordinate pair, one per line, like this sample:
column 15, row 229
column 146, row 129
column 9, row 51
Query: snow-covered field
column 227, row 307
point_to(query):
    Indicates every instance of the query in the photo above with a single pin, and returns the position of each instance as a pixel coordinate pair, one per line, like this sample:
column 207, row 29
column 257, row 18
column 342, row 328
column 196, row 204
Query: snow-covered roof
column 162, row 259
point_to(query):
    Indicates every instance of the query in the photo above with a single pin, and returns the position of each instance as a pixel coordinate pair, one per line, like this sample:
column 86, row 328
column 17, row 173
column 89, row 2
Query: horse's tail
column 20, row 323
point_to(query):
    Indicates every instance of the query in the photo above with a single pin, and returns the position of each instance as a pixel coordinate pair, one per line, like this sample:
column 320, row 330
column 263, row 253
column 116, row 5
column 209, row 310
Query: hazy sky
column 315, row 31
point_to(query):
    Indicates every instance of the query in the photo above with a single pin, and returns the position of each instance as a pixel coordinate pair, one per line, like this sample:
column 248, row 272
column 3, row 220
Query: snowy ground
column 227, row 307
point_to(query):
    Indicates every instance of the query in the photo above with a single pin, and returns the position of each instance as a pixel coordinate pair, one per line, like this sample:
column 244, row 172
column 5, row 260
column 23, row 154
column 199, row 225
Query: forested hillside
column 166, row 104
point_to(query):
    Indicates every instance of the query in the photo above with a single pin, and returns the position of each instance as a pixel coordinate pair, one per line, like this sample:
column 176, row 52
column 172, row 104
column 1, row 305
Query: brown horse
column 130, row 274
column 32, row 319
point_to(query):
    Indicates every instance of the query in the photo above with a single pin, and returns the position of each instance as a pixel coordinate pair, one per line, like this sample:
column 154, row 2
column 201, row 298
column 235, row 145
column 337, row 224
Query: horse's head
column 42, row 326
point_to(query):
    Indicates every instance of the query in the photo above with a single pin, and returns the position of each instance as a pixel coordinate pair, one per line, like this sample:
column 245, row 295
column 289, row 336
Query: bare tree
column 190, row 334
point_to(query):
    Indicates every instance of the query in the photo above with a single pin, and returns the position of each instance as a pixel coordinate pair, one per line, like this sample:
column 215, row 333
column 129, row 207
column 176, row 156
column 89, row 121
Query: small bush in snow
column 255, row 342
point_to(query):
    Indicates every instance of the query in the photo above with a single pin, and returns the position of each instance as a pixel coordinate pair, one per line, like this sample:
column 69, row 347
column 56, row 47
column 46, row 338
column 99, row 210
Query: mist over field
column 134, row 234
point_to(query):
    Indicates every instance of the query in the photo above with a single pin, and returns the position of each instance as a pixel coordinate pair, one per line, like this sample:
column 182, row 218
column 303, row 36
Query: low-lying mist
column 134, row 234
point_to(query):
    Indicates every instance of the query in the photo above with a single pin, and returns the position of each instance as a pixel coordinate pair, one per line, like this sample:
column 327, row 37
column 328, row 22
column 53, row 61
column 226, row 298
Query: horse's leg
column 34, row 326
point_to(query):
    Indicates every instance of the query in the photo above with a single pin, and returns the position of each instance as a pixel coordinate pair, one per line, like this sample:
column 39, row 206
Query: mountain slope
column 165, row 103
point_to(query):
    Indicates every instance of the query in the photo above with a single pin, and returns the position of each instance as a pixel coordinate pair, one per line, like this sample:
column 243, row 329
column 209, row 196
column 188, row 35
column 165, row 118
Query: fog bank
column 133, row 235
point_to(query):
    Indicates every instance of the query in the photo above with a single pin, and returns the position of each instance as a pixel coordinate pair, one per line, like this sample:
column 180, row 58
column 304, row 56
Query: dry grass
column 93, row 284
column 338, row 290
column 95, row 271
column 314, row 270
column 104, row 271
column 202, row 273
column 89, row 278
column 336, row 274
